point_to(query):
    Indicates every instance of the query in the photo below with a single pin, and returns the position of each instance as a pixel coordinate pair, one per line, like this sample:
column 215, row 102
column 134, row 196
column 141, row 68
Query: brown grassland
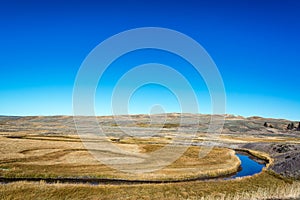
column 261, row 186
column 51, row 157
column 48, row 147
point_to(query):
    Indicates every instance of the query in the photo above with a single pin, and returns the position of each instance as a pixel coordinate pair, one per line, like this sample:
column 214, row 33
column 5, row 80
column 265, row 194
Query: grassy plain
column 261, row 186
column 52, row 157
column 48, row 147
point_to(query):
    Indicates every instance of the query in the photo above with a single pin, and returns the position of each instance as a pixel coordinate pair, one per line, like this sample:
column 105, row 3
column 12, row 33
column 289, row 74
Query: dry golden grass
column 220, row 161
column 249, row 139
column 25, row 151
column 261, row 186
column 50, row 157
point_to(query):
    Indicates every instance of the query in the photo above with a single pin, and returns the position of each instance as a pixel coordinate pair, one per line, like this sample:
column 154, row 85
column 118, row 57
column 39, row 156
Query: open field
column 49, row 147
column 50, row 157
column 262, row 186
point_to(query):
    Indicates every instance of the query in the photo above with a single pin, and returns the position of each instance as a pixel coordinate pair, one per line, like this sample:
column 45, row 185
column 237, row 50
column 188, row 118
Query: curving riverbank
column 246, row 154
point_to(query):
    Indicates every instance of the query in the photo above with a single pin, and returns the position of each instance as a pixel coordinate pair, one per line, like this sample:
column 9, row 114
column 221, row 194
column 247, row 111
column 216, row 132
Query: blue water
column 249, row 167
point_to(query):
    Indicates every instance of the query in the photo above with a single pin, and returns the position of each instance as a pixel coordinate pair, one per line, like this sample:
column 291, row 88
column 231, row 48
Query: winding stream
column 248, row 167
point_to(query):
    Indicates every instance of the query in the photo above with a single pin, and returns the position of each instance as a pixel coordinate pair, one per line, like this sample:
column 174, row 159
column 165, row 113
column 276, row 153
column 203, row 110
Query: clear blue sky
column 255, row 44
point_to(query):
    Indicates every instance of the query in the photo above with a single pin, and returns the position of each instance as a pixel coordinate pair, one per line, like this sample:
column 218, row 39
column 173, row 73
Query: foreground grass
column 261, row 186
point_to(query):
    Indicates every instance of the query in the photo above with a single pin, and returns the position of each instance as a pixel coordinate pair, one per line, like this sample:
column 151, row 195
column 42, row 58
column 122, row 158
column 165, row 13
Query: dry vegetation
column 48, row 156
column 49, row 147
column 261, row 186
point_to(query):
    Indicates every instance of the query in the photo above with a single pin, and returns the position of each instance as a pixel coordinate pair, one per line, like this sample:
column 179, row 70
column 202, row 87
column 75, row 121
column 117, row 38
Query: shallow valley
column 50, row 148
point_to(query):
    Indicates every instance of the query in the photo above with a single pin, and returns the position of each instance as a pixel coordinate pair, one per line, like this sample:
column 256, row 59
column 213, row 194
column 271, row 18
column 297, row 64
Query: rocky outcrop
column 283, row 148
column 291, row 126
column 286, row 157
column 268, row 125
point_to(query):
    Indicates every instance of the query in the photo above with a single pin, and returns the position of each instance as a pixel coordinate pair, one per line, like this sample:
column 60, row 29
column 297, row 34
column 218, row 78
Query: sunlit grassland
column 51, row 157
column 48, row 147
column 261, row 186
